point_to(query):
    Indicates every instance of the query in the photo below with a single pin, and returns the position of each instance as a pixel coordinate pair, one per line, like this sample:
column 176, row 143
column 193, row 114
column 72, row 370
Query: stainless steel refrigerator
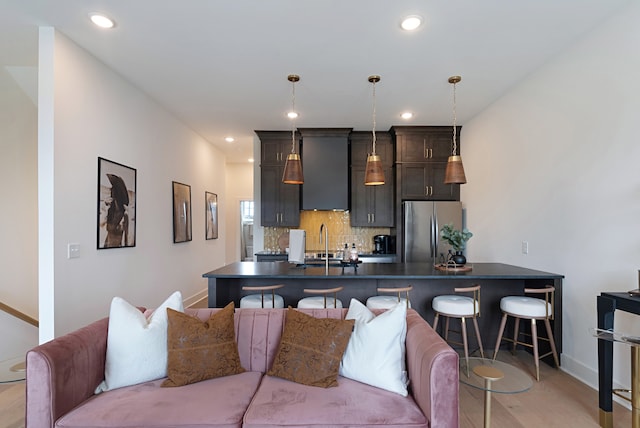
column 422, row 221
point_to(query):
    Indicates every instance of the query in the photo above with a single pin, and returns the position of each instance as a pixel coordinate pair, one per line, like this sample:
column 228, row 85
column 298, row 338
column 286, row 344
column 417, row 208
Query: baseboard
column 196, row 298
column 589, row 377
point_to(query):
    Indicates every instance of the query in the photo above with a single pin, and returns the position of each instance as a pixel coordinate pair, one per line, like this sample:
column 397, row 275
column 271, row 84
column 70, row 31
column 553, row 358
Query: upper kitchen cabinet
column 421, row 159
column 279, row 202
column 371, row 206
column 361, row 147
column 423, row 143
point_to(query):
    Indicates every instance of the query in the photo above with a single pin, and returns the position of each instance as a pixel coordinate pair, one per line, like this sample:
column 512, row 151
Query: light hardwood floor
column 558, row 400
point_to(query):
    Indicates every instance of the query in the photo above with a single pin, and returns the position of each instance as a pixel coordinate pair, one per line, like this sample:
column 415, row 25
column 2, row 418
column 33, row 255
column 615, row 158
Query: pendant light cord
column 293, row 119
column 374, row 118
column 454, row 120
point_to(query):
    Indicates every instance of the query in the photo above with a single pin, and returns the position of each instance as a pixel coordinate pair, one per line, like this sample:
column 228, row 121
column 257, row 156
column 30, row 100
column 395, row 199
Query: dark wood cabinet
column 421, row 160
column 279, row 202
column 371, row 206
column 425, row 181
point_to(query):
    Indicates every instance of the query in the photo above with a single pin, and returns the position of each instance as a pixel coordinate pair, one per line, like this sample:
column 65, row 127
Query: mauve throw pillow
column 201, row 350
column 310, row 349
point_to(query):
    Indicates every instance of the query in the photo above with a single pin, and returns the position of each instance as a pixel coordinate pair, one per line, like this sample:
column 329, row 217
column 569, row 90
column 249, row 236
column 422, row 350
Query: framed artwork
column 116, row 205
column 211, row 215
column 181, row 212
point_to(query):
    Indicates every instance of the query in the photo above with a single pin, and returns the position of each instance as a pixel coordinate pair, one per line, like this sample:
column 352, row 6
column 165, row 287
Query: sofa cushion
column 279, row 402
column 201, row 350
column 136, row 346
column 219, row 402
column 311, row 348
column 376, row 351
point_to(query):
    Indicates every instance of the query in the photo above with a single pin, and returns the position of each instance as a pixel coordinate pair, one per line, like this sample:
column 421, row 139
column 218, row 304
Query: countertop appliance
column 421, row 224
column 383, row 244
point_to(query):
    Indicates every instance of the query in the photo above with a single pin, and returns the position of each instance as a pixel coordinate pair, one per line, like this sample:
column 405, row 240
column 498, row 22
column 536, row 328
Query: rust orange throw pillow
column 310, row 349
column 201, row 350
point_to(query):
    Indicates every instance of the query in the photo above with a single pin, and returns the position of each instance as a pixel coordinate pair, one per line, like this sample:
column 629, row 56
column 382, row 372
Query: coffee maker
column 382, row 244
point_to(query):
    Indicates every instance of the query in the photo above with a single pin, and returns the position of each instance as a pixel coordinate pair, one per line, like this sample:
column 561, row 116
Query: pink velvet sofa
column 63, row 374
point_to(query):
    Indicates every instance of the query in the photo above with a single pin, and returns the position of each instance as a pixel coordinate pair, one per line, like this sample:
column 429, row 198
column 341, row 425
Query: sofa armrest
column 64, row 372
column 432, row 366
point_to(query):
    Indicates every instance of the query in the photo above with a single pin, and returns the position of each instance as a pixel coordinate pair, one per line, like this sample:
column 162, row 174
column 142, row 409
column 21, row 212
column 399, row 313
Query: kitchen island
column 496, row 280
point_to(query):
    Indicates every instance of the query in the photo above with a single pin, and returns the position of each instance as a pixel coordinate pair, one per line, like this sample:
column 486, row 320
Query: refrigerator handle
column 436, row 237
column 431, row 240
column 408, row 220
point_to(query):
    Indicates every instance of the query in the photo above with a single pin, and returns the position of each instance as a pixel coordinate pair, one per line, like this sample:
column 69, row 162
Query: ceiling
column 221, row 66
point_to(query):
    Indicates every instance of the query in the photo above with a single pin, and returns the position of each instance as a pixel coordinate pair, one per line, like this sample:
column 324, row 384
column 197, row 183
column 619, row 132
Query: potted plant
column 458, row 240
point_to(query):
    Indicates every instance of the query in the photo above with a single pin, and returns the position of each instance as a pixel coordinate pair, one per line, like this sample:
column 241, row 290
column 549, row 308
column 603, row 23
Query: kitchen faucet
column 326, row 246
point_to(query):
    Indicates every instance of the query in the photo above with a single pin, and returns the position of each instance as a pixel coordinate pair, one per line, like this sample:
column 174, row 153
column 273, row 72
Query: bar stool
column 533, row 309
column 260, row 300
column 321, row 302
column 388, row 302
column 463, row 307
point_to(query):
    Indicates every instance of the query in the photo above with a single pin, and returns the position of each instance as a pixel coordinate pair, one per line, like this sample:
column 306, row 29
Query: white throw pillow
column 376, row 351
column 136, row 346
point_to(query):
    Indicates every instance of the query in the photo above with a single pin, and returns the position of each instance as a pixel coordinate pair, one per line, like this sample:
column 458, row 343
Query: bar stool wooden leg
column 446, row 329
column 465, row 342
column 516, row 330
column 552, row 342
column 435, row 322
column 477, row 329
column 503, row 323
column 534, row 338
column 635, row 387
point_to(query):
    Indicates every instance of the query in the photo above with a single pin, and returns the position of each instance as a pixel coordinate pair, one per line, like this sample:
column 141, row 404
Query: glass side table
column 12, row 370
column 634, row 344
column 493, row 376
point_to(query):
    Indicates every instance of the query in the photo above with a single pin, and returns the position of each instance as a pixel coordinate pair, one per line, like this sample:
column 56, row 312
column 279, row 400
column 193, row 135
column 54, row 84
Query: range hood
column 325, row 162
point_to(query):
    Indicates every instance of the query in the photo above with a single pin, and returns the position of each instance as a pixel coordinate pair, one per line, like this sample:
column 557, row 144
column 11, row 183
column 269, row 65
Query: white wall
column 555, row 162
column 239, row 188
column 18, row 216
column 97, row 113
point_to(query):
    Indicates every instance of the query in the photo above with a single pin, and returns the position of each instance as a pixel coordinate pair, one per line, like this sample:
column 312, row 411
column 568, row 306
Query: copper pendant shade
column 374, row 172
column 454, row 173
column 293, row 166
column 293, row 170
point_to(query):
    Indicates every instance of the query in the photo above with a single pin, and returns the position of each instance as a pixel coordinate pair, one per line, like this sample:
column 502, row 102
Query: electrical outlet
column 525, row 247
column 73, row 251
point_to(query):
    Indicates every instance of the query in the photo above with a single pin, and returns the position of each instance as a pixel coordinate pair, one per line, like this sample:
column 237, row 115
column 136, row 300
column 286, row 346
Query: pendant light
column 374, row 174
column 293, row 166
column 454, row 173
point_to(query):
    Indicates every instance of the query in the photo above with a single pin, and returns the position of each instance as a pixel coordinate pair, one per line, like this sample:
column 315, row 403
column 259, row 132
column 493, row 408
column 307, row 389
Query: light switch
column 525, row 247
column 73, row 251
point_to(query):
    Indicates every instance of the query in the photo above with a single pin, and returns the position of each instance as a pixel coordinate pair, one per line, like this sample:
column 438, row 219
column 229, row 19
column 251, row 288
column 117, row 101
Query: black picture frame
column 211, row 215
column 182, row 231
column 116, row 205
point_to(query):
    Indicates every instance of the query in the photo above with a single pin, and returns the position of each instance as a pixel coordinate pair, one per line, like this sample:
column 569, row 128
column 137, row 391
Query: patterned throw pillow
column 201, row 350
column 310, row 349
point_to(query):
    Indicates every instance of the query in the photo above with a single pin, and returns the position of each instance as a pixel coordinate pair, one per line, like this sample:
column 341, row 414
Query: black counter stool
column 388, row 302
column 323, row 301
column 270, row 300
column 463, row 307
column 533, row 309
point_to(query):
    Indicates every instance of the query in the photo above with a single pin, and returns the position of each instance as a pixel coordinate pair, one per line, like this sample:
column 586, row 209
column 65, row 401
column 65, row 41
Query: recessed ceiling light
column 229, row 139
column 411, row 22
column 292, row 115
column 101, row 20
column 250, row 160
column 406, row 115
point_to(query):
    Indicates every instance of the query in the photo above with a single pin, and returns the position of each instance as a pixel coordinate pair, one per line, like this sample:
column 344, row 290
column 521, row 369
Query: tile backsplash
column 340, row 232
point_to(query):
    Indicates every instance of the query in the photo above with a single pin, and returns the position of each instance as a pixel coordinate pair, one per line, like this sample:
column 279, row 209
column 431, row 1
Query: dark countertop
column 375, row 271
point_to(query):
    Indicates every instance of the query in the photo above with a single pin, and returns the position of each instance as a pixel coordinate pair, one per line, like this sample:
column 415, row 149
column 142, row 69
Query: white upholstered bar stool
column 321, row 299
column 533, row 309
column 463, row 307
column 262, row 300
column 388, row 302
